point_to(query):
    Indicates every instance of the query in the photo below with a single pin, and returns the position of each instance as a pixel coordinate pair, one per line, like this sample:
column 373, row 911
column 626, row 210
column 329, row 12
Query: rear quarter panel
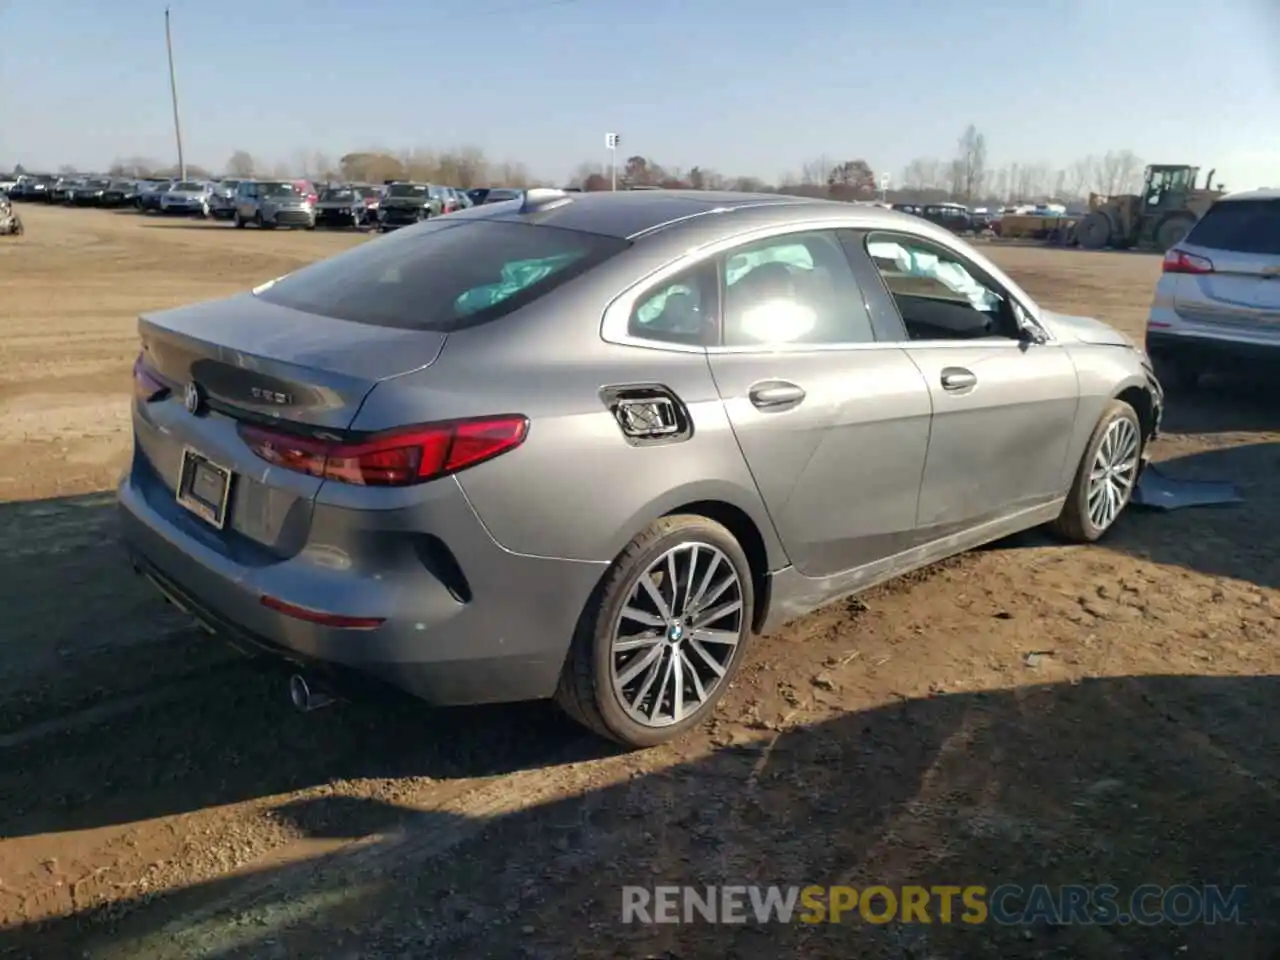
column 576, row 489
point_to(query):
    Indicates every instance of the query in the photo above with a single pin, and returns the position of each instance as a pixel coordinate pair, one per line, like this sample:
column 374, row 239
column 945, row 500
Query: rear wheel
column 662, row 636
column 1106, row 476
column 1173, row 229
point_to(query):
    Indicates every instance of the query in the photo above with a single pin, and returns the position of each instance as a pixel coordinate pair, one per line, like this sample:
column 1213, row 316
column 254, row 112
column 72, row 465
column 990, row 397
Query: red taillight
column 1179, row 261
column 146, row 386
column 395, row 459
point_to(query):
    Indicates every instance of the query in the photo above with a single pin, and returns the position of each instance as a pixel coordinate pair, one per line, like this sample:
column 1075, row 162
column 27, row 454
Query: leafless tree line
column 464, row 167
column 967, row 177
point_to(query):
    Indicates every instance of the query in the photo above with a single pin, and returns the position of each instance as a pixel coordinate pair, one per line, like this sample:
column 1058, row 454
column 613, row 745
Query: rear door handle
column 772, row 394
column 958, row 378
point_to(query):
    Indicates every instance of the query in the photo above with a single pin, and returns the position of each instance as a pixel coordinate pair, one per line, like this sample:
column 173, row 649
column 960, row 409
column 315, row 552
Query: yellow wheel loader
column 1169, row 205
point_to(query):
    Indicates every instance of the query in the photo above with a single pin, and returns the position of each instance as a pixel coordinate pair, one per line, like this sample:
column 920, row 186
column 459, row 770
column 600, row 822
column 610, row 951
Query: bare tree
column 814, row 173
column 133, row 167
column 1118, row 172
column 323, row 167
column 1080, row 176
column 970, row 167
column 240, row 165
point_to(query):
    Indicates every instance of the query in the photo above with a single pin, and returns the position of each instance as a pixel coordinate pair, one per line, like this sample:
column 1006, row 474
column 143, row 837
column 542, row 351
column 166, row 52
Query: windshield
column 189, row 186
column 407, row 190
column 342, row 193
column 369, row 192
column 96, row 183
column 443, row 276
column 279, row 190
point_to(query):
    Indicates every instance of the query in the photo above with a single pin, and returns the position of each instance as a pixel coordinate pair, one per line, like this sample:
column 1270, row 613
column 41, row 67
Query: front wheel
column 662, row 636
column 1105, row 479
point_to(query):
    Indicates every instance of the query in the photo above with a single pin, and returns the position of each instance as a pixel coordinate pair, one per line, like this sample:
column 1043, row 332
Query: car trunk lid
column 256, row 362
column 1241, row 238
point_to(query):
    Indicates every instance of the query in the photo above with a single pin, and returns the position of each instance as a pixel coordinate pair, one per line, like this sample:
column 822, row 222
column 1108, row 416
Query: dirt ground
column 1028, row 714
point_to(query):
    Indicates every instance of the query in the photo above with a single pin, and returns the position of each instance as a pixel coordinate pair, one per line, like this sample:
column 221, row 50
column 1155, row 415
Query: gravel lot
column 1030, row 713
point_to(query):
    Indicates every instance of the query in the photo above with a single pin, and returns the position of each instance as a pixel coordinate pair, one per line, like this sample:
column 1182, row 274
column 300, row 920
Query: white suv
column 1218, row 303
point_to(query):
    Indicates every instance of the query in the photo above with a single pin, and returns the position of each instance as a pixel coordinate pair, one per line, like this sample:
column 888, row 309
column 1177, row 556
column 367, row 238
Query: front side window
column 938, row 294
column 796, row 289
column 443, row 276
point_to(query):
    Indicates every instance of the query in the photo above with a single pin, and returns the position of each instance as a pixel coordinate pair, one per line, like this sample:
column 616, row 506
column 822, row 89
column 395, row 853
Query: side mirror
column 1029, row 331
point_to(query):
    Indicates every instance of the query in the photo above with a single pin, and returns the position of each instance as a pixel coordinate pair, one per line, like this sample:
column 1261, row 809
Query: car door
column 1004, row 405
column 832, row 421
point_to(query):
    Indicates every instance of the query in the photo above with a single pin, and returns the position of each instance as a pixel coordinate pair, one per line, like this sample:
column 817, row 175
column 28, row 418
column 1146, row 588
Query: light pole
column 611, row 141
column 173, row 89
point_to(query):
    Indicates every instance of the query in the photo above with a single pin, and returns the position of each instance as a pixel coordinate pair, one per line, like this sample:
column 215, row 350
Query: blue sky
column 749, row 87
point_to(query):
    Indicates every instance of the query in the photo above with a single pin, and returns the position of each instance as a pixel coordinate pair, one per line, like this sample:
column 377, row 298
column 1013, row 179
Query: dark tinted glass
column 1241, row 226
column 443, row 276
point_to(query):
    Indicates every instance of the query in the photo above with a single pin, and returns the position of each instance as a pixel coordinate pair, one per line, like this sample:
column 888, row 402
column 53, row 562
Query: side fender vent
column 648, row 414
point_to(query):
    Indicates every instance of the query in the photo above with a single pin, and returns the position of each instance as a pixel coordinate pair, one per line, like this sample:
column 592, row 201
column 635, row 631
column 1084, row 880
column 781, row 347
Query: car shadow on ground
column 1011, row 787
column 200, row 724
column 1242, row 402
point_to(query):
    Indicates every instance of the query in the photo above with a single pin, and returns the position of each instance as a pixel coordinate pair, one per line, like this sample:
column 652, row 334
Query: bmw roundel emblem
column 191, row 398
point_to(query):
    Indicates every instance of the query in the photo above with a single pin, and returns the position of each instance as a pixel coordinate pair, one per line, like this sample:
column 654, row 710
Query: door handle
column 775, row 393
column 958, row 378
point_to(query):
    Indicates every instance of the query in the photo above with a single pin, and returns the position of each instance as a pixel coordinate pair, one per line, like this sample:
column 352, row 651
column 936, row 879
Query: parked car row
column 263, row 203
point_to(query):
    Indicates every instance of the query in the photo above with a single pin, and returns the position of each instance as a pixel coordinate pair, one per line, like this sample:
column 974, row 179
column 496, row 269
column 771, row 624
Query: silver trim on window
column 617, row 315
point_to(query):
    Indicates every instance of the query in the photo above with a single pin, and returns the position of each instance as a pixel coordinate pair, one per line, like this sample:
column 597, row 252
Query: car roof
column 629, row 214
column 1266, row 193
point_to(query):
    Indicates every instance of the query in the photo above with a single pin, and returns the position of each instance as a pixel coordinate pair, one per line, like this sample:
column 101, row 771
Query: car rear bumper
column 1206, row 351
column 336, row 218
column 291, row 218
column 474, row 624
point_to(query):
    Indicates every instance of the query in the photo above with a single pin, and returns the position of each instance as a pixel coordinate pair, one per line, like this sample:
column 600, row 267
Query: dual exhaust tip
column 307, row 695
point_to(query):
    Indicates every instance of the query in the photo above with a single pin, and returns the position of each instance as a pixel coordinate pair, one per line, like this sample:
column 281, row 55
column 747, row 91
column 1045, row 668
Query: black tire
column 1172, row 230
column 586, row 691
column 1074, row 523
column 1094, row 231
column 238, row 221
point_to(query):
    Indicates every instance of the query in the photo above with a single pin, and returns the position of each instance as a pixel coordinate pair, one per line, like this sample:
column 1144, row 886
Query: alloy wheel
column 1112, row 475
column 675, row 637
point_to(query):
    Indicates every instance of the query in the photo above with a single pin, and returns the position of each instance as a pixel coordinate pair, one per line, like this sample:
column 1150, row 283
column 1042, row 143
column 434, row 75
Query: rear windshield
column 443, row 276
column 343, row 194
column 1241, row 226
column 406, row 190
column 279, row 190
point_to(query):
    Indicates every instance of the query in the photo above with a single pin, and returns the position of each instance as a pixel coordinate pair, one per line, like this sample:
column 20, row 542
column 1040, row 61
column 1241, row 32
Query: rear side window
column 1241, row 226
column 443, row 276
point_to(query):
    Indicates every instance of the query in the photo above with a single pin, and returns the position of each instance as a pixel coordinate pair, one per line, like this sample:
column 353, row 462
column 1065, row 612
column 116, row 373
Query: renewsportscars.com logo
column 1008, row 904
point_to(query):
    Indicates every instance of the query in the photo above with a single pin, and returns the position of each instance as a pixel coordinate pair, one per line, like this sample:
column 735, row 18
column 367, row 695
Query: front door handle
column 772, row 394
column 958, row 378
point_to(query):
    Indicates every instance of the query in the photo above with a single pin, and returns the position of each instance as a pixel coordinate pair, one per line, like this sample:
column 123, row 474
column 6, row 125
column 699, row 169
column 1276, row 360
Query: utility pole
column 611, row 141
column 173, row 89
